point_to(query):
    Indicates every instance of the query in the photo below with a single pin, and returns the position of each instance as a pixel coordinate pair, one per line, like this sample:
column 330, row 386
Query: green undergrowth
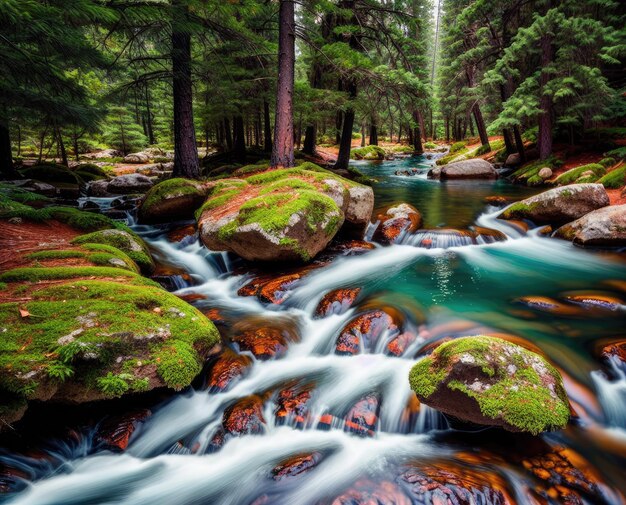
column 457, row 147
column 529, row 172
column 614, row 179
column 103, row 335
column 619, row 153
column 519, row 398
column 575, row 174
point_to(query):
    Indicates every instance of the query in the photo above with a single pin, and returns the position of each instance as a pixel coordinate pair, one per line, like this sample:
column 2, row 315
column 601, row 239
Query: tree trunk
column 338, row 118
column 6, row 158
column 239, row 139
column 267, row 128
column 545, row 102
column 310, row 140
column 400, row 132
column 373, row 133
column 151, row 138
column 343, row 158
column 186, row 163
column 363, row 134
column 519, row 143
column 228, row 133
column 508, row 141
column 417, row 134
column 480, row 125
column 282, row 150
column 61, row 145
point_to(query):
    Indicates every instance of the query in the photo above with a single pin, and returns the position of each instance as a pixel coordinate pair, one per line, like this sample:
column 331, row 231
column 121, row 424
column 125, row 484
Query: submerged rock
column 115, row 432
column 337, row 301
column 559, row 205
column 489, row 381
column 296, row 465
column 228, row 368
column 245, row 417
column 396, row 222
column 282, row 215
column 171, row 200
column 602, row 227
column 363, row 332
column 265, row 342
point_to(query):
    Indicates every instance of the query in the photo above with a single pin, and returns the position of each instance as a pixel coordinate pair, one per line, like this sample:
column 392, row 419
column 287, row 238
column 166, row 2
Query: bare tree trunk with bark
column 282, row 150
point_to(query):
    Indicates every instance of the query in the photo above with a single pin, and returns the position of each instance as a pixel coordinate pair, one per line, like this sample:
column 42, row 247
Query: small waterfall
column 612, row 392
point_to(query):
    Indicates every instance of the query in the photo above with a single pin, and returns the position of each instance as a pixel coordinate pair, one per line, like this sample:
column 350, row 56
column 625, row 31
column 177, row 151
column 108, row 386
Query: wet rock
column 90, row 205
column 292, row 404
column 265, row 342
column 296, row 465
column 34, row 186
column 172, row 200
column 179, row 234
column 270, row 289
column 366, row 492
column 442, row 486
column 245, row 417
column 399, row 344
column 99, row 188
column 466, row 169
column 549, row 305
column 337, row 301
column 396, row 222
column 488, row 235
column 137, row 158
column 115, row 432
column 596, row 301
column 125, row 203
column 497, row 200
column 228, row 368
column 351, row 247
column 489, row 381
column 559, row 205
column 602, row 227
column 129, row 183
column 363, row 332
column 363, row 416
column 442, row 238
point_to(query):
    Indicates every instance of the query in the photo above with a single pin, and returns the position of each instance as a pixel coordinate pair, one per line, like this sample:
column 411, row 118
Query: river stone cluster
column 283, row 215
column 489, row 381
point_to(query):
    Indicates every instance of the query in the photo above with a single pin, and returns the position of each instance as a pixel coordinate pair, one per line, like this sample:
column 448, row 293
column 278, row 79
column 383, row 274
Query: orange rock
column 397, row 221
column 363, row 416
column 296, row 465
column 178, row 234
column 364, row 330
column 244, row 417
column 228, row 367
column 115, row 432
column 399, row 344
column 192, row 297
column 351, row 247
column 265, row 342
column 293, row 404
column 366, row 492
column 337, row 301
column 272, row 288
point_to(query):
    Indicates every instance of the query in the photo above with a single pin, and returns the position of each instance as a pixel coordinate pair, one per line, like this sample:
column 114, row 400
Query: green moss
column 93, row 169
column 518, row 209
column 457, row 147
column 172, row 188
column 250, row 169
column 368, row 153
column 273, row 212
column 530, row 170
column 217, row 201
column 54, row 255
column 287, row 184
column 17, row 194
column 126, row 241
column 535, row 180
column 619, row 153
column 430, row 145
column 34, row 274
column 51, row 173
column 573, row 175
column 98, row 254
column 456, row 156
column 607, row 162
column 519, row 398
column 103, row 323
column 614, row 179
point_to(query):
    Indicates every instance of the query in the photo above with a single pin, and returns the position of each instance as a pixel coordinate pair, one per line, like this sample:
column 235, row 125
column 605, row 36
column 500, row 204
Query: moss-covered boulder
column 559, row 205
column 171, row 200
column 602, row 227
column 281, row 215
column 89, row 340
column 489, row 381
column 372, row 153
column 126, row 241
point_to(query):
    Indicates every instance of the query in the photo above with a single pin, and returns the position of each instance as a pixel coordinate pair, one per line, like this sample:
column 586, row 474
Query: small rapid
column 359, row 433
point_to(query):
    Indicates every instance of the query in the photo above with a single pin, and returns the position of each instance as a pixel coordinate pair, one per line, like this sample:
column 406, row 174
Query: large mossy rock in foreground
column 282, row 215
column 171, row 200
column 602, row 227
column 559, row 205
column 489, row 381
column 89, row 340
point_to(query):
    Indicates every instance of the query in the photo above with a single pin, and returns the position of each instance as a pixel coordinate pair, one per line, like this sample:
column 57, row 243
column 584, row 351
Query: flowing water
column 362, row 438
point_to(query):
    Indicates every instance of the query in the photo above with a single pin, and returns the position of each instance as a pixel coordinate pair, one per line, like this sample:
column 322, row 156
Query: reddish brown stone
column 244, row 417
column 178, row 234
column 363, row 330
column 228, row 367
column 397, row 221
column 215, row 315
column 326, row 422
column 497, row 200
column 296, row 465
column 115, row 432
column 452, row 485
column 293, row 404
column 363, row 416
column 351, row 247
column 337, row 301
column 400, row 343
column 365, row 492
column 274, row 288
column 265, row 342
column 192, row 297
column 615, row 350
